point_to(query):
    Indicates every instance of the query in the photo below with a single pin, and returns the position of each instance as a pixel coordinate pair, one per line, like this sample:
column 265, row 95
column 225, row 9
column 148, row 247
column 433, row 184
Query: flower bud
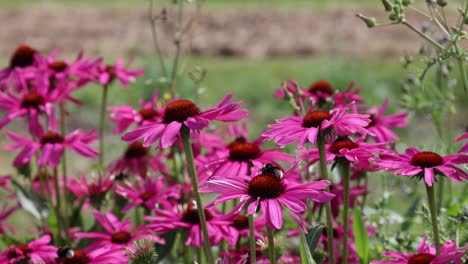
column 370, row 21
column 442, row 3
column 407, row 2
column 387, row 5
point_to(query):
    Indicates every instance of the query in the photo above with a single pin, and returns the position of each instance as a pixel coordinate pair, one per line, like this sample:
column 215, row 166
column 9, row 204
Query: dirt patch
column 254, row 34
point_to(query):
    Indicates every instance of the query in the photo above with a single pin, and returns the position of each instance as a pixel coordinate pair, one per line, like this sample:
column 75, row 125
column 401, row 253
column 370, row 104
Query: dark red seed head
column 342, row 143
column 32, row 100
column 241, row 150
column 315, row 118
column 79, row 257
column 421, row 259
column 266, row 187
column 240, row 222
column 372, row 120
column 180, row 111
column 52, row 138
column 121, row 237
column 22, row 57
column 58, row 66
column 190, row 215
column 12, row 252
column 147, row 195
column 427, row 159
column 135, row 150
column 321, row 86
column 148, row 113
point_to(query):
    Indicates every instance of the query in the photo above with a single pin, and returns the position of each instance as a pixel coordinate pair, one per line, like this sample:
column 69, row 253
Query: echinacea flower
column 239, row 226
column 268, row 191
column 426, row 254
column 184, row 113
column 426, row 164
column 116, row 234
column 93, row 190
column 51, row 146
column 91, row 256
column 124, row 116
column 380, row 125
column 20, row 61
column 36, row 250
column 320, row 91
column 167, row 220
column 302, row 129
column 108, row 73
column 348, row 97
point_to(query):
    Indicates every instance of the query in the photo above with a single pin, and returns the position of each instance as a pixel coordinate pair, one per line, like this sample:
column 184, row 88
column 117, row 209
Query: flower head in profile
column 116, row 233
column 21, row 61
column 426, row 254
column 380, row 125
column 348, row 97
column 320, row 91
column 269, row 191
column 92, row 190
column 184, row 113
column 36, row 250
column 108, row 73
column 91, row 256
column 425, row 164
column 306, row 129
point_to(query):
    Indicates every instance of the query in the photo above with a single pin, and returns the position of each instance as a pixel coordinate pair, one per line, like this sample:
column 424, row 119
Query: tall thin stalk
column 345, row 175
column 102, row 118
column 58, row 207
column 271, row 244
column 433, row 210
column 185, row 134
column 328, row 210
column 253, row 247
column 64, row 169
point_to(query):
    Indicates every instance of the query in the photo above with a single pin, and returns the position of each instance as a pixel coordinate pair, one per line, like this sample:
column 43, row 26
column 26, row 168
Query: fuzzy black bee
column 65, row 252
column 272, row 170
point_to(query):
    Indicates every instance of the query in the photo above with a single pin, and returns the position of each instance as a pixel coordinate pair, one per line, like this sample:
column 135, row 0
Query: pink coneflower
column 320, row 91
column 108, row 73
column 51, row 146
column 348, row 97
column 303, row 129
column 92, row 190
column 36, row 250
column 426, row 255
column 20, row 64
column 165, row 221
column 239, row 226
column 465, row 147
column 137, row 159
column 380, row 125
column 268, row 191
column 147, row 192
column 242, row 157
column 184, row 113
column 125, row 116
column 91, row 256
column 426, row 164
column 358, row 152
column 117, row 234
column 5, row 182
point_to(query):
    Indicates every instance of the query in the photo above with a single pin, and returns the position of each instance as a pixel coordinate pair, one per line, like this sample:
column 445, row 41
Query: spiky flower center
column 427, row 159
column 191, row 215
column 79, row 257
column 421, row 259
column 32, row 100
column 148, row 113
column 180, row 111
column 266, row 187
column 241, row 150
column 58, row 66
column 315, row 118
column 373, row 121
column 240, row 222
column 13, row 252
column 321, row 86
column 22, row 57
column 121, row 237
column 135, row 150
column 340, row 144
column 147, row 195
column 52, row 138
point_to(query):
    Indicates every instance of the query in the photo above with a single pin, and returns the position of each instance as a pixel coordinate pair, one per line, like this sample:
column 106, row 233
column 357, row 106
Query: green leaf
column 164, row 250
column 410, row 214
column 76, row 219
column 306, row 255
column 313, row 236
column 360, row 236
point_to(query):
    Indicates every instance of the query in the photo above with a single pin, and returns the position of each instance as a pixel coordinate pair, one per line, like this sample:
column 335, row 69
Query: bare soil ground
column 254, row 34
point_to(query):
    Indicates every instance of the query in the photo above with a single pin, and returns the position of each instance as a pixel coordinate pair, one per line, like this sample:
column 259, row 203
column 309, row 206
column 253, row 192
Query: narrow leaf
column 164, row 250
column 360, row 236
column 313, row 236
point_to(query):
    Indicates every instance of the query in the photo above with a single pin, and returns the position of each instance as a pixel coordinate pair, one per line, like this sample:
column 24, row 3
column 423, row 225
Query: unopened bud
column 394, row 17
column 370, row 21
column 407, row 2
column 387, row 5
column 442, row 3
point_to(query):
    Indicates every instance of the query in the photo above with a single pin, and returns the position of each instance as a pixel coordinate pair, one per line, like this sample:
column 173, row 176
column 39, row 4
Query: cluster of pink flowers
column 149, row 178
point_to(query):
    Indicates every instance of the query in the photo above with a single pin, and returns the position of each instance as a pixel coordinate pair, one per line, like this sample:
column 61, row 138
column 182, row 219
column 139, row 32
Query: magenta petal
column 169, row 135
column 274, row 213
column 429, row 176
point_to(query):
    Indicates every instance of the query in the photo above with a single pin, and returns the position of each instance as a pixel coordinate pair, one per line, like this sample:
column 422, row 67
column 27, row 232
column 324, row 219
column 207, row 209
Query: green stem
column 178, row 44
column 185, row 134
column 64, row 170
column 432, row 208
column 366, row 180
column 58, row 207
column 306, row 255
column 461, row 66
column 345, row 176
column 101, row 124
column 424, row 36
column 271, row 244
column 328, row 211
column 253, row 246
column 157, row 48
